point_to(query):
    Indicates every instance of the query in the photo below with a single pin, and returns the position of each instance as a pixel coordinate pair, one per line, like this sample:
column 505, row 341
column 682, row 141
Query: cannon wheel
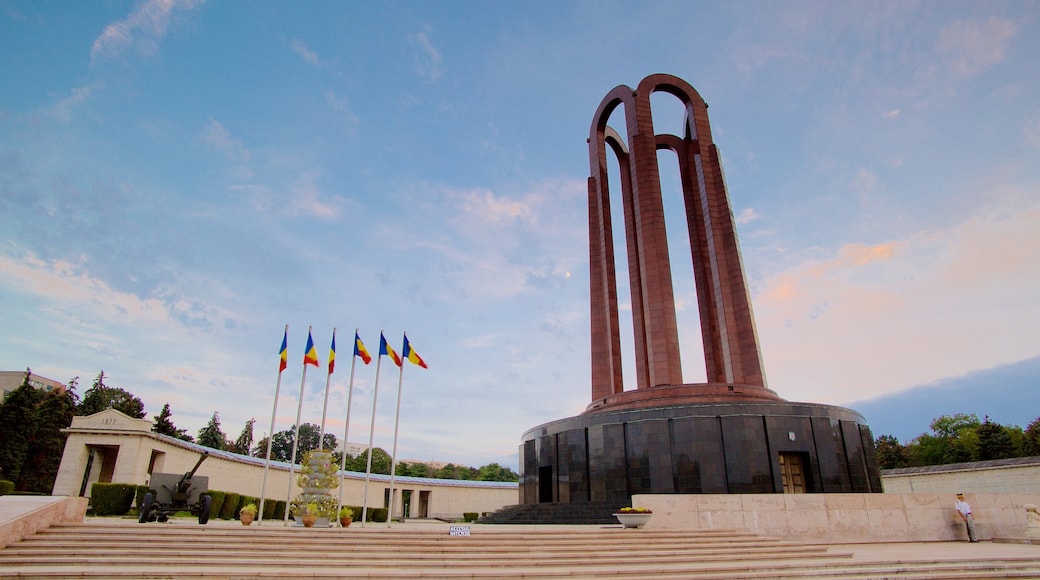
column 146, row 508
column 205, row 503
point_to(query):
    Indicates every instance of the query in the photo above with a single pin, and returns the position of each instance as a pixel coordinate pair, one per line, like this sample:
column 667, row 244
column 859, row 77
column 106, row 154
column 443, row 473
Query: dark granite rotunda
column 731, row 434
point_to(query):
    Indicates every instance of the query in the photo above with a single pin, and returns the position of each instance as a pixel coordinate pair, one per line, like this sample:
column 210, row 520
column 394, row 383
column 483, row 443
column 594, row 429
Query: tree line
column 31, row 441
column 960, row 438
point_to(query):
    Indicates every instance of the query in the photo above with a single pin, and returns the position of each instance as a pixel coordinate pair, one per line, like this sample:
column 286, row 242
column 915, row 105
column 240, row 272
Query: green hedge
column 139, row 496
column 378, row 514
column 230, row 507
column 270, row 506
column 6, row 487
column 470, row 516
column 217, row 502
column 112, row 499
column 245, row 500
column 279, row 510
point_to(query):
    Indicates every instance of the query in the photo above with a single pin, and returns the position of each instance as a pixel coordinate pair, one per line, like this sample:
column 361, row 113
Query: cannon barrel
column 187, row 476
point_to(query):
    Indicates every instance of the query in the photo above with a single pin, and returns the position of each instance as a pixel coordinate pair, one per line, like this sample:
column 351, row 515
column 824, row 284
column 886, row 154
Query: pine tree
column 994, row 441
column 17, row 428
column 244, row 443
column 100, row 397
column 53, row 413
column 164, row 425
column 211, row 435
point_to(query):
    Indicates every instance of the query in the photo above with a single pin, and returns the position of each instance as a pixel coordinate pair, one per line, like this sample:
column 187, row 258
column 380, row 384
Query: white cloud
column 747, row 215
column 141, row 31
column 428, row 60
column 63, row 109
column 875, row 319
column 1031, row 131
column 218, row 137
column 309, row 56
column 971, row 47
column 892, row 114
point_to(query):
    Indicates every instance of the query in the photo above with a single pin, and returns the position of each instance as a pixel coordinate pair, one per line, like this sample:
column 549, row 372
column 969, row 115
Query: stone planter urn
column 635, row 519
column 345, row 522
column 246, row 518
column 309, row 520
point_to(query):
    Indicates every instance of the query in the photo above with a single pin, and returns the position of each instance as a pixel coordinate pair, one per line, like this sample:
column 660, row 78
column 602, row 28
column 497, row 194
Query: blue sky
column 179, row 179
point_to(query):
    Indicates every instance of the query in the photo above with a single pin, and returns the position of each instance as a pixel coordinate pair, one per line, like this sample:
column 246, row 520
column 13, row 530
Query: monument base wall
column 844, row 517
column 759, row 447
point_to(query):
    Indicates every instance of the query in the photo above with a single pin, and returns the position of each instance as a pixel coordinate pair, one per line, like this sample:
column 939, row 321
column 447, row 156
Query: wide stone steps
column 179, row 550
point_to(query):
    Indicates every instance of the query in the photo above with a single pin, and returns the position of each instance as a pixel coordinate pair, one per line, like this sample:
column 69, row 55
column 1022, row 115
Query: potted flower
column 309, row 514
column 633, row 517
column 247, row 514
column 346, row 515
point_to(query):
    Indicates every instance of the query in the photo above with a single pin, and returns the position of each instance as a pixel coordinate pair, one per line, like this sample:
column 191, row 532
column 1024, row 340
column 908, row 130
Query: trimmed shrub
column 230, row 507
column 6, row 487
column 217, row 503
column 470, row 516
column 243, row 501
column 112, row 499
column 28, row 493
column 279, row 510
column 378, row 514
column 269, row 507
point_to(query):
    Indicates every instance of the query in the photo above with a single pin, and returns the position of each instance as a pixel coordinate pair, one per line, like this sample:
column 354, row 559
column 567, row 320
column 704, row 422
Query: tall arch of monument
column 730, row 434
column 731, row 351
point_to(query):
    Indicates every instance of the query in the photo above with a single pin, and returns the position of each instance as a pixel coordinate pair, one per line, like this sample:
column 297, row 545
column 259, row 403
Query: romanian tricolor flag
column 409, row 353
column 283, row 354
column 310, row 356
column 360, row 350
column 332, row 354
column 384, row 348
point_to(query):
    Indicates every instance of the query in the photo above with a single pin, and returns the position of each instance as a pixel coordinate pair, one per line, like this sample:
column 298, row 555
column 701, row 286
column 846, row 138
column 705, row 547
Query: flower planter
column 309, row 520
column 246, row 518
column 345, row 522
column 633, row 520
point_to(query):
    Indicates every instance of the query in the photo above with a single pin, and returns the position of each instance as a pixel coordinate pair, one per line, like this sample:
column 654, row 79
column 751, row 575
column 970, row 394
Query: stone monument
column 731, row 434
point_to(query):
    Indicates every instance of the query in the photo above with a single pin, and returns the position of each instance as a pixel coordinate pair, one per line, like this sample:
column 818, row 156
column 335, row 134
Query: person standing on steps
column 964, row 510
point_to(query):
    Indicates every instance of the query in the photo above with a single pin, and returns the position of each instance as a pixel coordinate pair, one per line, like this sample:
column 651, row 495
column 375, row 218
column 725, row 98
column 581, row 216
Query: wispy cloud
column 63, row 109
column 309, row 56
column 747, row 215
column 141, row 31
column 218, row 137
column 931, row 305
column 428, row 59
column 1031, row 131
column 971, row 47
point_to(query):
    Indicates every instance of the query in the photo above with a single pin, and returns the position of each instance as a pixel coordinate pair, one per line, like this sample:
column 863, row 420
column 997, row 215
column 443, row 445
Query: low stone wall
column 23, row 515
column 843, row 517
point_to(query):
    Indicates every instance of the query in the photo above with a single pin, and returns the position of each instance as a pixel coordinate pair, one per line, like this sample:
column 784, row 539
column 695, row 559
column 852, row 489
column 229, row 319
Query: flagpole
column 371, row 436
column 328, row 381
column 296, row 436
column 393, row 458
column 346, row 425
column 274, row 412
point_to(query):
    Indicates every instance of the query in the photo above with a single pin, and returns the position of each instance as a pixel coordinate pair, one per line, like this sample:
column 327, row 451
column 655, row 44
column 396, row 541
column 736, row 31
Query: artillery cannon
column 171, row 493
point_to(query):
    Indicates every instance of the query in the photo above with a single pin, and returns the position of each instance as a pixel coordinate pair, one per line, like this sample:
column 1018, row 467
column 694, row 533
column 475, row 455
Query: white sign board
column 458, row 531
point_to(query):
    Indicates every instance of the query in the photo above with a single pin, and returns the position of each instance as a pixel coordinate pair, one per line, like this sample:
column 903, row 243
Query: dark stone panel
column 830, row 452
column 646, row 443
column 547, row 464
column 748, row 466
column 870, row 454
column 698, row 463
column 608, row 470
column 574, row 466
column 856, row 458
column 528, row 473
column 792, row 434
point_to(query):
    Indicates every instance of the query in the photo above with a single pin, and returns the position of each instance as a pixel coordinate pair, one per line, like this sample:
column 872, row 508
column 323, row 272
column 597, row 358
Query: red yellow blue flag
column 310, row 356
column 409, row 353
column 384, row 348
column 283, row 354
column 360, row 350
column 332, row 354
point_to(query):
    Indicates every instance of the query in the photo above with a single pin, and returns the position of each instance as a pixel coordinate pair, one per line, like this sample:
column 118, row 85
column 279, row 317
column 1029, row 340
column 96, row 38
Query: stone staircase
column 584, row 513
column 125, row 549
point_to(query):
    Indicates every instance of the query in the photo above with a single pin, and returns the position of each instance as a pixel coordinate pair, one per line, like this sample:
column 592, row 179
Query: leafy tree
column 282, row 443
column 995, row 441
column 101, row 396
column 211, row 435
column 164, row 425
column 949, row 426
column 53, row 413
column 496, row 472
column 417, row 469
column 18, row 417
column 245, row 440
column 890, row 453
column 1031, row 439
column 381, row 461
